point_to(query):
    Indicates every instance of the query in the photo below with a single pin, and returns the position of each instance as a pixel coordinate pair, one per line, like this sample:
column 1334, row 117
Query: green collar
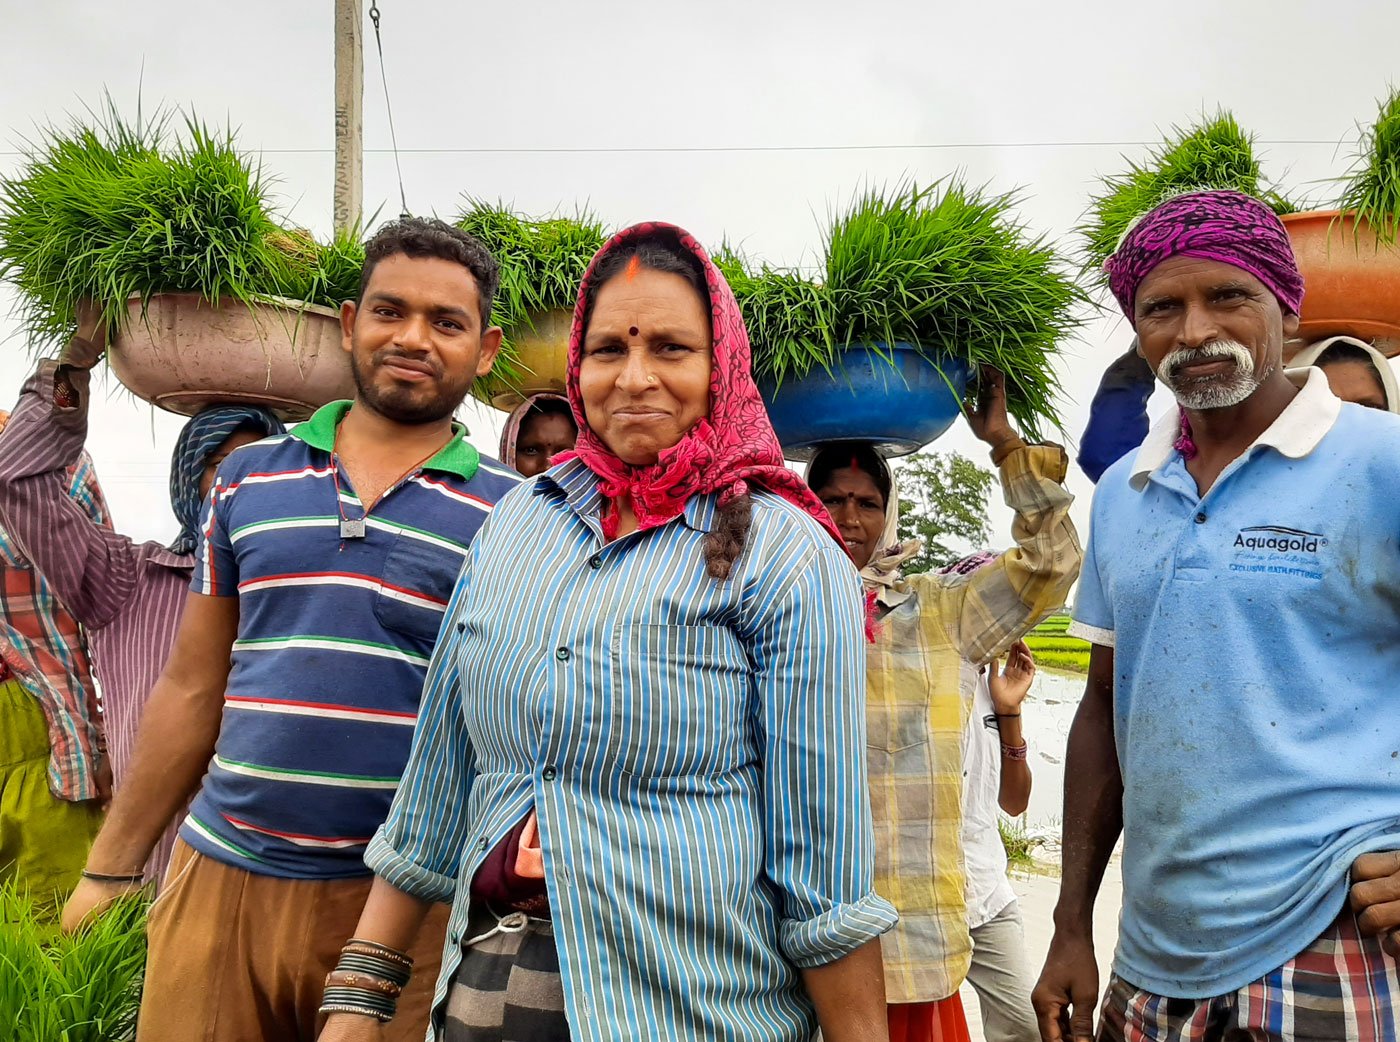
column 458, row 456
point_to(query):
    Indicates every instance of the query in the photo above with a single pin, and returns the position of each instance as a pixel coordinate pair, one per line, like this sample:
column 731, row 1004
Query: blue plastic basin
column 900, row 402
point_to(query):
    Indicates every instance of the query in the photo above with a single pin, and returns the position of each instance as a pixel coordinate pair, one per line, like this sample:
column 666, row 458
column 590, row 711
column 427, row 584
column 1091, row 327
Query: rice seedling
column 109, row 208
column 1213, row 153
column 542, row 262
column 1054, row 648
column 1373, row 188
column 83, row 987
column 945, row 267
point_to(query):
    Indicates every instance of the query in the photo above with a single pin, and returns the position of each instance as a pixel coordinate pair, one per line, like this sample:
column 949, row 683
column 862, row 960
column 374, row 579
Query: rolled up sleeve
column 418, row 848
column 809, row 649
column 995, row 606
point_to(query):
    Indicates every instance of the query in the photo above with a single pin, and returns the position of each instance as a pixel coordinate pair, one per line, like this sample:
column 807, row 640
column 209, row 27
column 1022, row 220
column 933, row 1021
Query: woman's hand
column 351, row 1027
column 988, row 418
column 89, row 343
column 1009, row 686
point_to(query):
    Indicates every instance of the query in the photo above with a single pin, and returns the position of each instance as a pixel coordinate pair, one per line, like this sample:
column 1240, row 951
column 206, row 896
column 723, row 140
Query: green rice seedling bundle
column 542, row 262
column 1372, row 190
column 81, row 987
column 109, row 209
column 1212, row 154
column 945, row 267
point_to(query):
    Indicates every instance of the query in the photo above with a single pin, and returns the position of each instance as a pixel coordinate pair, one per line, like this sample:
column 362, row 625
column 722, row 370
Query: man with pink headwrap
column 1241, row 589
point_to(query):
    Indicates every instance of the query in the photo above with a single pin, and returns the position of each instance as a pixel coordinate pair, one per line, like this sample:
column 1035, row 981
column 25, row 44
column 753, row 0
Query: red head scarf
column 727, row 452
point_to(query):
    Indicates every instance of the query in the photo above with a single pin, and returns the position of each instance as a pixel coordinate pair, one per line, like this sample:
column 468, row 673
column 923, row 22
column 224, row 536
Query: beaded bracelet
column 1014, row 752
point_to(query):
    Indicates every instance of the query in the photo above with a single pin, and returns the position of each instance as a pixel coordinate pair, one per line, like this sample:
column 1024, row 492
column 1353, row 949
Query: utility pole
column 349, row 115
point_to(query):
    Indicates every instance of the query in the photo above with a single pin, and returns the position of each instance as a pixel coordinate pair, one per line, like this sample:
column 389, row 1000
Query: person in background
column 1355, row 371
column 928, row 634
column 325, row 562
column 997, row 777
column 1242, row 594
column 638, row 771
column 538, row 429
column 54, row 772
column 1118, row 413
column 127, row 596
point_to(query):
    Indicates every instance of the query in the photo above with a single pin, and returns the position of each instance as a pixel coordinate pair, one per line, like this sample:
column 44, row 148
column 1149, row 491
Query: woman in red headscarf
column 638, row 771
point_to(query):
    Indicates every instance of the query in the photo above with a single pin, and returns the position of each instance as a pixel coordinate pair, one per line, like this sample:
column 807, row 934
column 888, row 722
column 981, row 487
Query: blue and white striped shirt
column 334, row 640
column 695, row 751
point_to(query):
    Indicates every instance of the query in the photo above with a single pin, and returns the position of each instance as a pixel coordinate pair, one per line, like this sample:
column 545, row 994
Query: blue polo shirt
column 1257, row 650
column 334, row 639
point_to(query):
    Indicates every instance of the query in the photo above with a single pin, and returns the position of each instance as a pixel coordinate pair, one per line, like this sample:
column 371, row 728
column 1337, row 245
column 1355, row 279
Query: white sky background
column 1045, row 96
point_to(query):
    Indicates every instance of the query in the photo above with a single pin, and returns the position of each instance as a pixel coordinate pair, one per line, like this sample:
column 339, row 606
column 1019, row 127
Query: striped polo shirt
column 334, row 639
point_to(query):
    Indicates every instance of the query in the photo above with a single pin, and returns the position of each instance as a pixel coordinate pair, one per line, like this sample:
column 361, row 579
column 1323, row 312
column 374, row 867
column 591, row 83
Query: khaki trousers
column 238, row 957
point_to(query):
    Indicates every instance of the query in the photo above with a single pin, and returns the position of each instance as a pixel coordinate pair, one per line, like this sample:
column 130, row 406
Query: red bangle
column 1014, row 752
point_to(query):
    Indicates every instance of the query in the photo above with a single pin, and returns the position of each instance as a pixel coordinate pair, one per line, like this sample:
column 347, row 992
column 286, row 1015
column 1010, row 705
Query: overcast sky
column 748, row 120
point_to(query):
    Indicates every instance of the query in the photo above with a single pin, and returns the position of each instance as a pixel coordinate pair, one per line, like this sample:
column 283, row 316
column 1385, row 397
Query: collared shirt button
column 561, row 653
column 461, row 627
column 549, row 773
column 1200, row 519
column 595, row 562
column 455, row 937
column 483, row 843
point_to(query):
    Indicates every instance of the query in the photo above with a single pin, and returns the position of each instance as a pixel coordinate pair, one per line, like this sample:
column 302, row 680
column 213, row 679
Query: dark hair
column 430, row 237
column 1344, row 352
column 845, row 456
column 549, row 407
column 658, row 251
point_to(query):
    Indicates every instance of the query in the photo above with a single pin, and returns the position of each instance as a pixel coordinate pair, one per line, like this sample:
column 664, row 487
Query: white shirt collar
column 1295, row 433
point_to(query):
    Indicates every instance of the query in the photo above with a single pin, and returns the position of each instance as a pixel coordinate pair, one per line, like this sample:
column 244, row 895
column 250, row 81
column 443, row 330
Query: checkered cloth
column 44, row 650
column 507, row 987
column 921, row 671
column 1342, row 988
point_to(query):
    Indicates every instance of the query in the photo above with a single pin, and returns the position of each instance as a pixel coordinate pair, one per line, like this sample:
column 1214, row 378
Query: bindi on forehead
column 633, row 331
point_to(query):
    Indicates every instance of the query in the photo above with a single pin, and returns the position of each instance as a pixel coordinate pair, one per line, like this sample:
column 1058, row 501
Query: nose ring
column 651, row 379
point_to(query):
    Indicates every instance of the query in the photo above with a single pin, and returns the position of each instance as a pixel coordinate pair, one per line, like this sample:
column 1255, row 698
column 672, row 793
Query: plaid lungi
column 1342, row 988
column 507, row 987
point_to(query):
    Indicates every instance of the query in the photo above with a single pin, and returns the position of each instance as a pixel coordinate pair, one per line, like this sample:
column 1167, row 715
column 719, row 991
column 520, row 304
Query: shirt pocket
column 679, row 701
column 897, row 740
column 414, row 586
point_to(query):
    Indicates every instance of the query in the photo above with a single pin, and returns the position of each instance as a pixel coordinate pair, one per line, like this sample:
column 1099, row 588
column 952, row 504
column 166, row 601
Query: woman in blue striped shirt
column 638, row 771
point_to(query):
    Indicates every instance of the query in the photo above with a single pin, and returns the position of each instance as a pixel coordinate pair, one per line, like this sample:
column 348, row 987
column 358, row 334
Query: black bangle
column 100, row 877
column 1006, row 716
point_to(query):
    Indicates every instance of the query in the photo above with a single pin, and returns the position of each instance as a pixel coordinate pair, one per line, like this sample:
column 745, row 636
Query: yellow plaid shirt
column 920, row 673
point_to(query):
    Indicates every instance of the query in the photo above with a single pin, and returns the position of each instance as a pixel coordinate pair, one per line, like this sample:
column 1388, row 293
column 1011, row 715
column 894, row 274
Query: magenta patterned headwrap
column 1224, row 226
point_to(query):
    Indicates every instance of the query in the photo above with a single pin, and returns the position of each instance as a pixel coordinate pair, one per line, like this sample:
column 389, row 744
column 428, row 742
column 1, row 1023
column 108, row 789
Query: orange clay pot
column 1351, row 279
column 184, row 354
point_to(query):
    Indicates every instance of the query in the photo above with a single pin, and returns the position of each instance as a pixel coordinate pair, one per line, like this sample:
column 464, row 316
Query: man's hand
column 1375, row 897
column 89, row 344
column 1068, row 989
column 1009, row 686
column 90, row 899
column 987, row 418
column 351, row 1027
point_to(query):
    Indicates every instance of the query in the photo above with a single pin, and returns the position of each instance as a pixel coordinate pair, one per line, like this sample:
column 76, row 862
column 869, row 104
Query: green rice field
column 1055, row 649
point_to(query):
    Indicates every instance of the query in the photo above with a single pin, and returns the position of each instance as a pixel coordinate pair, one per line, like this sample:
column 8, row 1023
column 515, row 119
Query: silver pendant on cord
column 352, row 528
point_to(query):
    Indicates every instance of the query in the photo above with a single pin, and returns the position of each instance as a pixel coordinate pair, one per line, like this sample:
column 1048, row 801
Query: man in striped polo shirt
column 327, row 557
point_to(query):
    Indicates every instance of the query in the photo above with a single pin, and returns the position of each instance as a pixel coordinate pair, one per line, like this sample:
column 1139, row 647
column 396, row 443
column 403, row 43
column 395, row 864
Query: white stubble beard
column 1218, row 392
